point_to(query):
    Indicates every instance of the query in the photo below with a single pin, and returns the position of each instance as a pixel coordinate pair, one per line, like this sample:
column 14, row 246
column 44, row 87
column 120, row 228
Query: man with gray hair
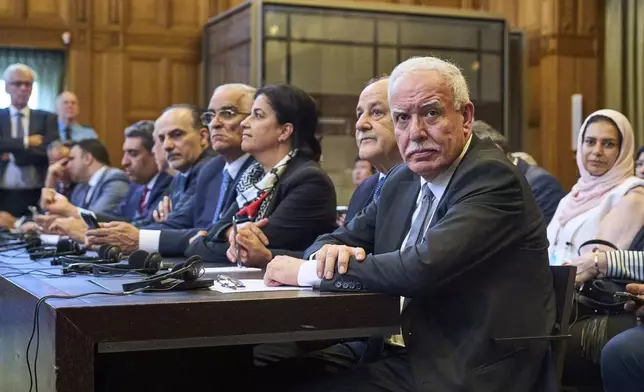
column 546, row 189
column 456, row 233
column 24, row 136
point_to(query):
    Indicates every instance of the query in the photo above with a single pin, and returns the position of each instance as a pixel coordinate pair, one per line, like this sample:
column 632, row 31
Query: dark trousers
column 339, row 369
column 622, row 362
column 17, row 201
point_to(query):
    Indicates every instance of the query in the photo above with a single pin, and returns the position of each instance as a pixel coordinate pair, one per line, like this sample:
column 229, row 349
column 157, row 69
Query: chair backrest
column 563, row 277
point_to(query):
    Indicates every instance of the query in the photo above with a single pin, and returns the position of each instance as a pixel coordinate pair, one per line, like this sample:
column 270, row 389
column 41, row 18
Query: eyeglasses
column 223, row 114
column 21, row 83
column 227, row 281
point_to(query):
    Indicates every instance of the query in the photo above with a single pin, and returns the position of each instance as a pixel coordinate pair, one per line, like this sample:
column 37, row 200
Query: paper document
column 49, row 239
column 254, row 285
column 232, row 268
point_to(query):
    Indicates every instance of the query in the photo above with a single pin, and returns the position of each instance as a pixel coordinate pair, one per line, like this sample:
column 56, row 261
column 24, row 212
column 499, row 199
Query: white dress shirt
column 149, row 239
column 307, row 276
column 93, row 182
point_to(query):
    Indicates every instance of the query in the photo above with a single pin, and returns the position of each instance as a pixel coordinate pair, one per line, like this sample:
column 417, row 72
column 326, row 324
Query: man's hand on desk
column 329, row 255
column 283, row 270
column 44, row 221
column 122, row 234
column 6, row 219
column 252, row 248
column 70, row 226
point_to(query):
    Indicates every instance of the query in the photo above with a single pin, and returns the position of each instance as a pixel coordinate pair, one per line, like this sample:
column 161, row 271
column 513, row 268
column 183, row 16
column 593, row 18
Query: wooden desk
column 163, row 341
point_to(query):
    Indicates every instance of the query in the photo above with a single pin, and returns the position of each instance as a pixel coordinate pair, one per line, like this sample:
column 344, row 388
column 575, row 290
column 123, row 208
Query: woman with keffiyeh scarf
column 284, row 198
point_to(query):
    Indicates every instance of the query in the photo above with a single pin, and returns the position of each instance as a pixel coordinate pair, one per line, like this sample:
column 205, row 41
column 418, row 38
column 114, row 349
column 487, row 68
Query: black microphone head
column 66, row 245
column 32, row 243
column 109, row 252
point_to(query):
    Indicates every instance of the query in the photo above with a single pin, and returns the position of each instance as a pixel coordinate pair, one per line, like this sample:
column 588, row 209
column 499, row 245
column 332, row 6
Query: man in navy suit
column 545, row 187
column 24, row 136
column 229, row 105
column 376, row 142
column 147, row 183
column 186, row 144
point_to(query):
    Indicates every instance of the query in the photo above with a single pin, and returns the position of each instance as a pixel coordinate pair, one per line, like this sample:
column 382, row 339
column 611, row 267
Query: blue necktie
column 378, row 188
column 225, row 183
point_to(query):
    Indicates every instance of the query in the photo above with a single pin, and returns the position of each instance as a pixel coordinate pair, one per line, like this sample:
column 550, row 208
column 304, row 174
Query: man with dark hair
column 98, row 187
column 185, row 142
column 545, row 187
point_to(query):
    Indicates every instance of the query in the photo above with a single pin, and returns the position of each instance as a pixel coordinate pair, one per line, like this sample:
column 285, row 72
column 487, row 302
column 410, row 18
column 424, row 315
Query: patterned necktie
column 225, row 184
column 142, row 203
column 68, row 133
column 418, row 226
column 378, row 188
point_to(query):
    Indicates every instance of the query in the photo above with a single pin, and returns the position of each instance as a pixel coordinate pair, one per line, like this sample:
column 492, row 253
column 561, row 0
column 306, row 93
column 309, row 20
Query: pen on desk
column 237, row 258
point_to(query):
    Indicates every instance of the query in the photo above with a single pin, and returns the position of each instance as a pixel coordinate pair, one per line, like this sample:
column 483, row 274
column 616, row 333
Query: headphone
column 106, row 254
column 189, row 271
column 65, row 246
column 28, row 242
column 139, row 261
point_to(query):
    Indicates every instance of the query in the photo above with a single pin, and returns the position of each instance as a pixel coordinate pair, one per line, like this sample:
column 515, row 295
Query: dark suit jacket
column 40, row 123
column 545, row 188
column 482, row 273
column 182, row 193
column 110, row 189
column 128, row 208
column 174, row 241
column 302, row 208
column 362, row 196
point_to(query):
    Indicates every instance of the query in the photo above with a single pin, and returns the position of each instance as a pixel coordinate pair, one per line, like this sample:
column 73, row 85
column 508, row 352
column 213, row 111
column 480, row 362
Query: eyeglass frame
column 218, row 113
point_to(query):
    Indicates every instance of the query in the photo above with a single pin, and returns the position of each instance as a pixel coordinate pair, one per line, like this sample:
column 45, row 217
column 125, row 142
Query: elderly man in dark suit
column 24, row 136
column 229, row 105
column 376, row 142
column 457, row 234
column 545, row 187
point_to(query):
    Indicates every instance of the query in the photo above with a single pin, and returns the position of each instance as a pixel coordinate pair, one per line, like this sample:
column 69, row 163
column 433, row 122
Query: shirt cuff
column 149, row 240
column 308, row 276
column 25, row 141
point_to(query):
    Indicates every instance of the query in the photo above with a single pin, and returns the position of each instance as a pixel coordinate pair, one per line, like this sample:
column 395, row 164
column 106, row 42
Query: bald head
column 67, row 107
column 229, row 106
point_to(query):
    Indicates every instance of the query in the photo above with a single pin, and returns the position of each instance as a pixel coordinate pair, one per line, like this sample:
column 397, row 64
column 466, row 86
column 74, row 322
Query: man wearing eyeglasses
column 24, row 136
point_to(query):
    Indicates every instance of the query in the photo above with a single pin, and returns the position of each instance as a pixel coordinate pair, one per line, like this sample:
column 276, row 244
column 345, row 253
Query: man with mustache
column 457, row 234
column 185, row 142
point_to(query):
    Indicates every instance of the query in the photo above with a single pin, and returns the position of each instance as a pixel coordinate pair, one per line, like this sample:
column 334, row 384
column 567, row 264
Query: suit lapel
column 96, row 189
column 398, row 219
column 32, row 123
column 5, row 124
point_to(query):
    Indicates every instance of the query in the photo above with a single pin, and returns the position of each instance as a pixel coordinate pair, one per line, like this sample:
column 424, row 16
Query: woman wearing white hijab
column 607, row 202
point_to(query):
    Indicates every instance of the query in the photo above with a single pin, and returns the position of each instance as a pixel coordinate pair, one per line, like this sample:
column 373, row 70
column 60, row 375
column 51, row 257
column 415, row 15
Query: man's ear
column 204, row 136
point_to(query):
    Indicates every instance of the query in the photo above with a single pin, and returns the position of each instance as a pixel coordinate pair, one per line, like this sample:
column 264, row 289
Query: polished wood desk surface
column 113, row 332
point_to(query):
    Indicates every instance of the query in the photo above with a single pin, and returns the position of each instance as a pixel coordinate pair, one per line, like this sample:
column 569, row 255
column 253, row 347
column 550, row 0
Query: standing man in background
column 24, row 136
column 68, row 127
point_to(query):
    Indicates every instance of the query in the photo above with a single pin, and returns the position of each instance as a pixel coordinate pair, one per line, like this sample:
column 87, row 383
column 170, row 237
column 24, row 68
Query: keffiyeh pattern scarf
column 255, row 189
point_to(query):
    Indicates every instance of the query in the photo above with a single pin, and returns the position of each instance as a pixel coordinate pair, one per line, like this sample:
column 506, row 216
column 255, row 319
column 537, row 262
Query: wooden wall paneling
column 7, row 8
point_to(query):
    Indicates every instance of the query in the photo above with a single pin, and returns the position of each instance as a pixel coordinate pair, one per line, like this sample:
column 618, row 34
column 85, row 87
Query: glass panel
column 331, row 28
column 275, row 66
column 440, row 33
column 387, row 32
column 491, row 78
column 330, row 69
column 492, row 37
column 464, row 60
column 275, row 24
column 386, row 60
